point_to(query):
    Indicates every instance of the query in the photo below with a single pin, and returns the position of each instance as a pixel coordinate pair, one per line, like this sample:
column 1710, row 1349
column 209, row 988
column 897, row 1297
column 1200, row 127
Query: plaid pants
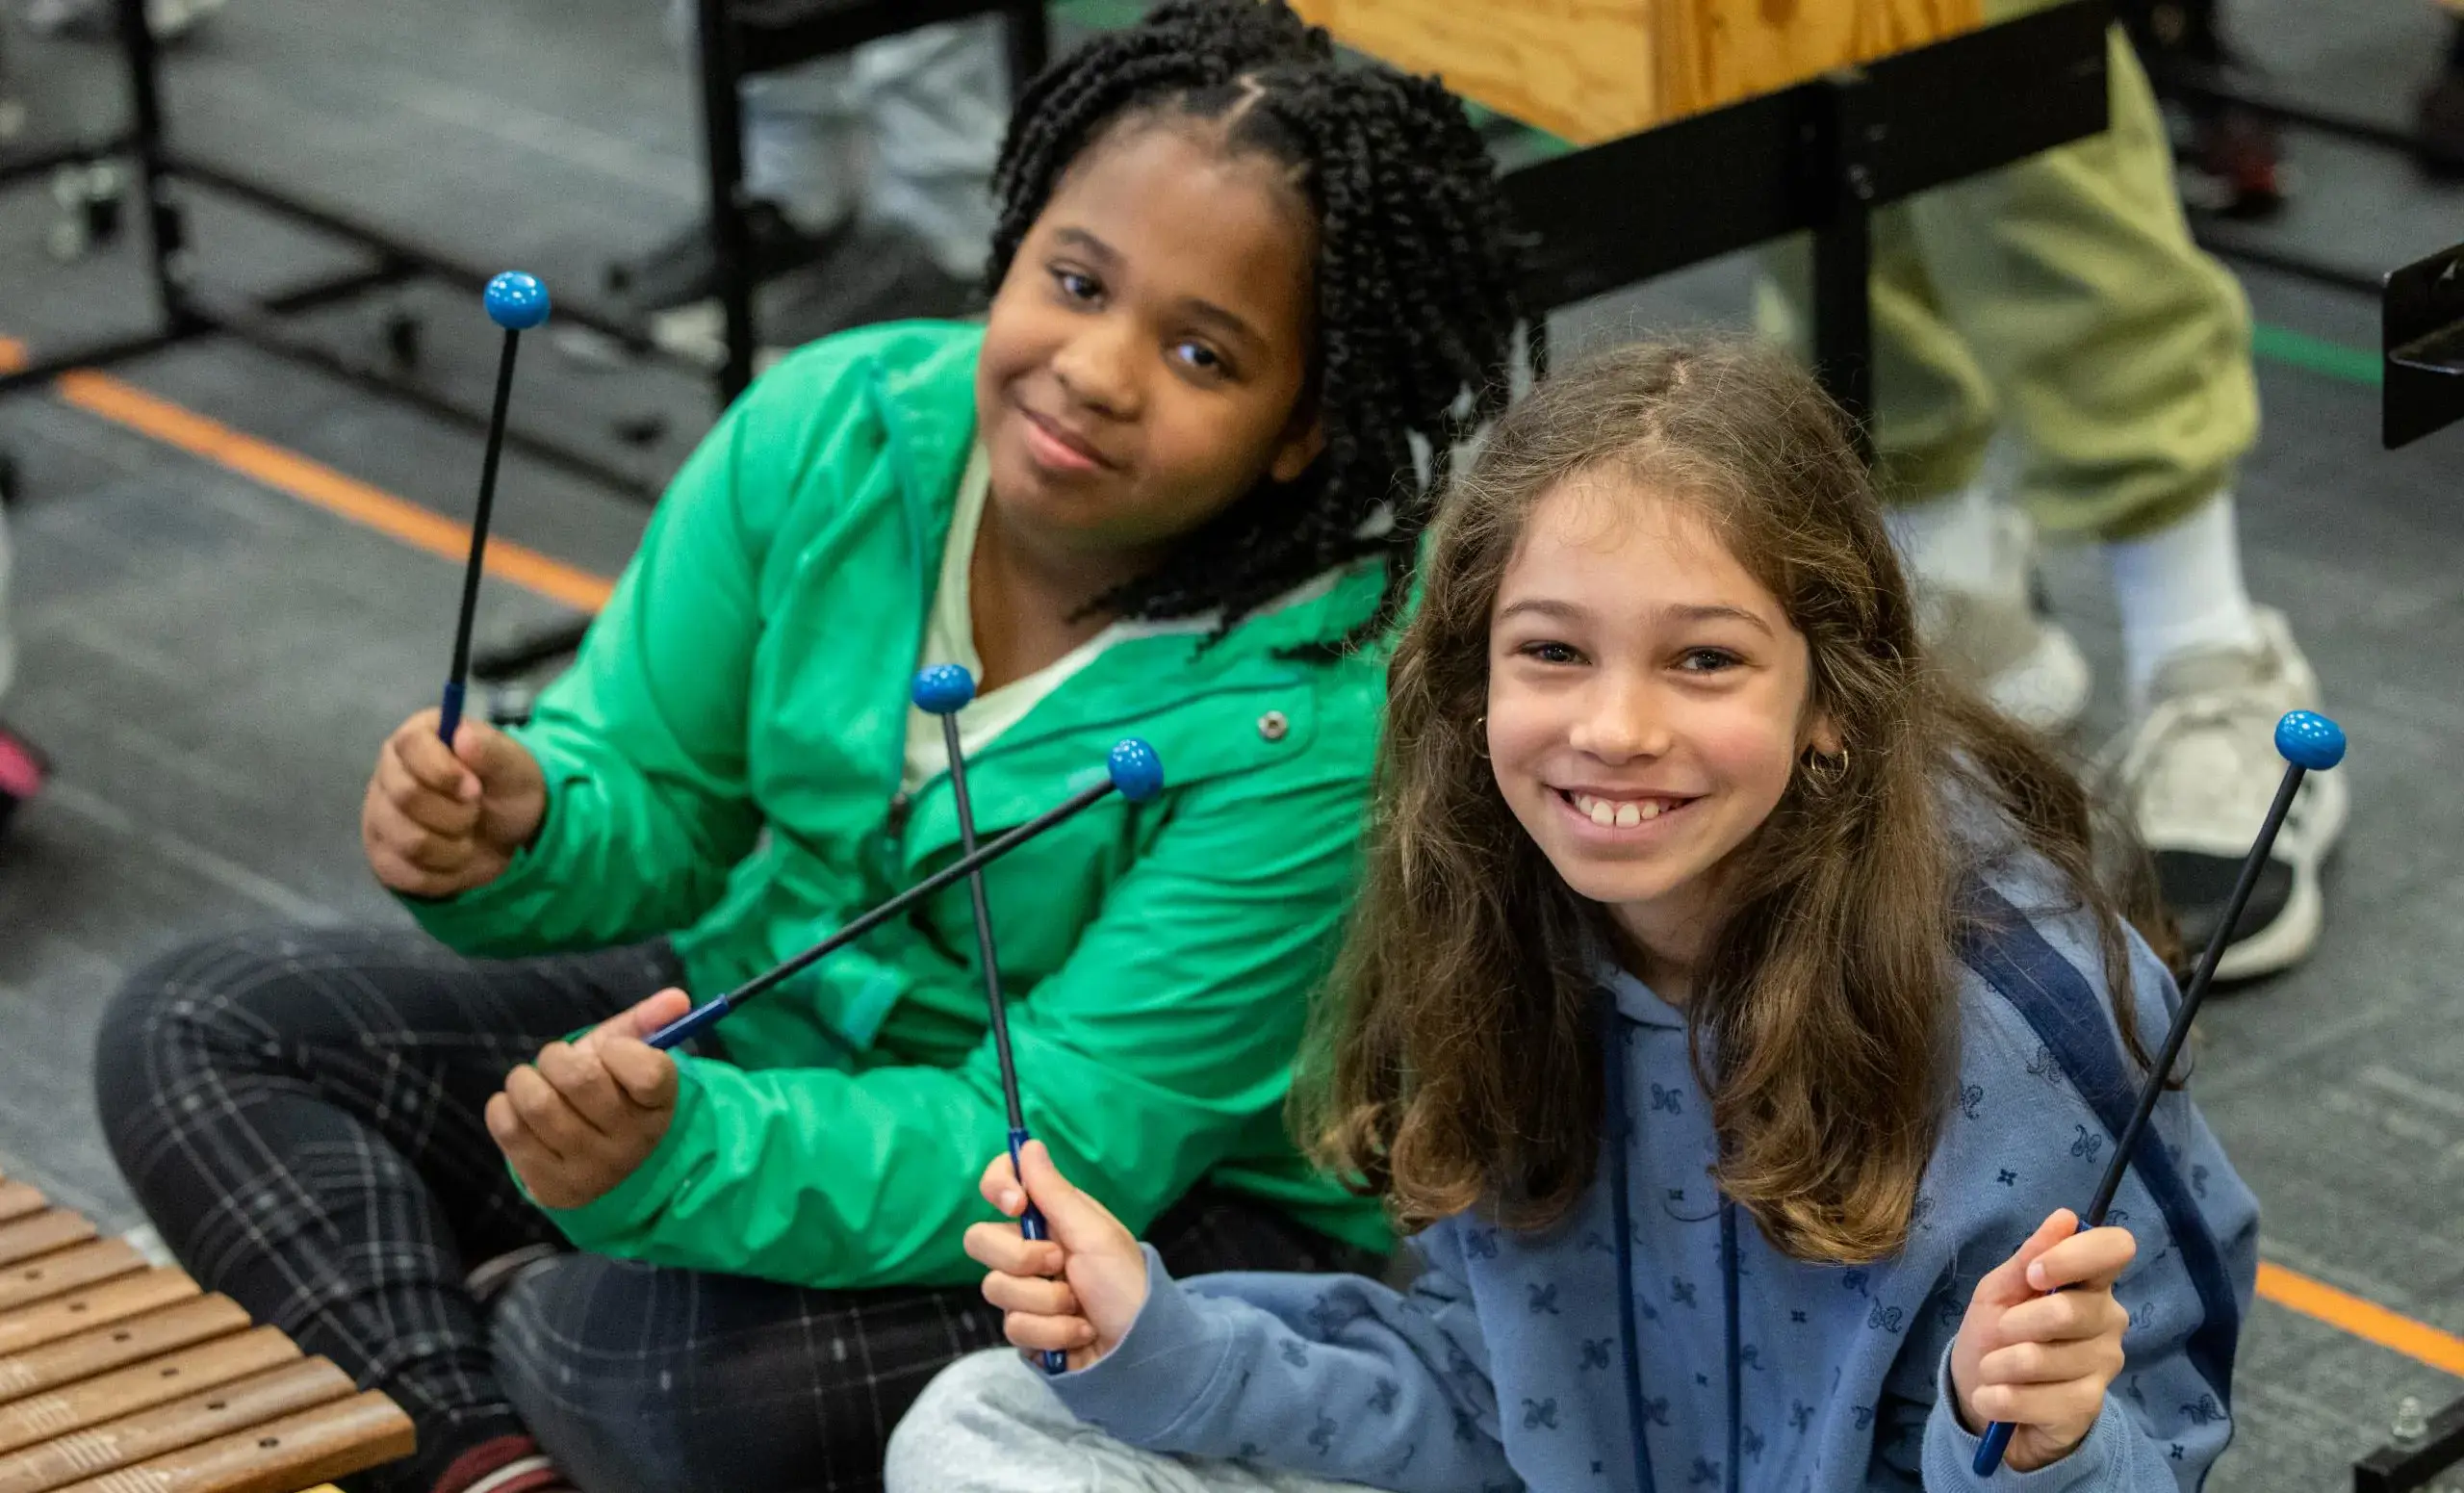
column 299, row 1113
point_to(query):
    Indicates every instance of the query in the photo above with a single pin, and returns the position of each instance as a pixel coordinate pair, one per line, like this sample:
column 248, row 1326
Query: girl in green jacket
column 1164, row 491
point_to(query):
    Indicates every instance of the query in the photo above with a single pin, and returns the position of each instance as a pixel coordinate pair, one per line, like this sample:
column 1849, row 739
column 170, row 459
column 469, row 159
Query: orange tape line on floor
column 13, row 355
column 314, row 482
column 2362, row 1317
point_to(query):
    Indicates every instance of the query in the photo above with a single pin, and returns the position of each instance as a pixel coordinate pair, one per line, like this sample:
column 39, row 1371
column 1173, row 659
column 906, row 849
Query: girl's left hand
column 580, row 1120
column 2043, row 1361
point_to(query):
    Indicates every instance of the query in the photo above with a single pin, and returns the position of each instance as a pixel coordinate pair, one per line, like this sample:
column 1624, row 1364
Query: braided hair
column 1416, row 277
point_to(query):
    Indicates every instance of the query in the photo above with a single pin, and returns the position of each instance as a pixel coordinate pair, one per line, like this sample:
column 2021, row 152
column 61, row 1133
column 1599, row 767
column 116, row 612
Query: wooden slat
column 112, row 1300
column 17, row 1199
column 67, row 1269
column 182, row 1325
column 314, row 1446
column 141, row 1386
column 54, row 1228
column 258, row 1401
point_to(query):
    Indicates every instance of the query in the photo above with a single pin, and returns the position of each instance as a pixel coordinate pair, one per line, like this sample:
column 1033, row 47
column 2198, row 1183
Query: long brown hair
column 1456, row 1059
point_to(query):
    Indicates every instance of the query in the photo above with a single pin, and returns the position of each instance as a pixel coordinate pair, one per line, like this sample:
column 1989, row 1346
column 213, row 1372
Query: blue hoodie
column 1513, row 1361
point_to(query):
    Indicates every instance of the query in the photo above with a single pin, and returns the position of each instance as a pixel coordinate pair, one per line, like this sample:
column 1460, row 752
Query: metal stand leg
column 166, row 236
column 1843, row 257
column 722, row 156
column 1027, row 38
column 1843, row 322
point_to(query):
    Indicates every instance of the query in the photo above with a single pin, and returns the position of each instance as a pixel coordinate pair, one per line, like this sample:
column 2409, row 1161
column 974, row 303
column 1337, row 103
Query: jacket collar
column 926, row 412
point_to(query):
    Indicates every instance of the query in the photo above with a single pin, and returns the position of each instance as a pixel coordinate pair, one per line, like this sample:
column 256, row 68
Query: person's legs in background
column 803, row 169
column 2120, row 355
column 932, row 103
column 1937, row 416
column 867, row 184
column 22, row 768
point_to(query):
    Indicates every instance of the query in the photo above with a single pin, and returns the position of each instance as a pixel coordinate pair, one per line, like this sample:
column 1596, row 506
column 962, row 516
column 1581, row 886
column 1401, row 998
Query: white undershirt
column 949, row 637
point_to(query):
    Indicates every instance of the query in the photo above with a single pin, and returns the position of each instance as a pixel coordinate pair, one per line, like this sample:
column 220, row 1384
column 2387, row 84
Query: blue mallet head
column 1137, row 771
column 943, row 689
column 2306, row 739
column 516, row 301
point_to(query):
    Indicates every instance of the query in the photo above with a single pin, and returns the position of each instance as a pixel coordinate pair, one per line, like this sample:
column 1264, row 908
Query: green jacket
column 723, row 764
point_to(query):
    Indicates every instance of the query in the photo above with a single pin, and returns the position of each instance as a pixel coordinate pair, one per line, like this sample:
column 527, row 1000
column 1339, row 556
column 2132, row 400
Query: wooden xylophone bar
column 117, row 1376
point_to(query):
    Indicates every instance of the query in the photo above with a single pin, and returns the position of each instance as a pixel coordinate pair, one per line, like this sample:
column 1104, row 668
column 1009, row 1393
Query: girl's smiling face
column 1148, row 353
column 1647, row 702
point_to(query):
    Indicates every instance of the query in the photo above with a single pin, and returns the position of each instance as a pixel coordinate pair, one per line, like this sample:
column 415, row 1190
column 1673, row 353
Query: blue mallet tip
column 2308, row 740
column 943, row 689
column 516, row 301
column 1137, row 771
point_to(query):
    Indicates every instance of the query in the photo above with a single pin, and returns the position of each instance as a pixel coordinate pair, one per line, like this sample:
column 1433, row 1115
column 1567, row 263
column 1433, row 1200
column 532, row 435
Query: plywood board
column 1589, row 70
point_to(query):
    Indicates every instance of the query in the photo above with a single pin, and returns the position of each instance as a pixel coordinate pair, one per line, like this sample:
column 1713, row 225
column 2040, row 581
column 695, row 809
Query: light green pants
column 2061, row 296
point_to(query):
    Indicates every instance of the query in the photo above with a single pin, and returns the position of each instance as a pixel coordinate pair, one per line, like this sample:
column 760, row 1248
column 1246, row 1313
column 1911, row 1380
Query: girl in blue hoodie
column 1732, row 1011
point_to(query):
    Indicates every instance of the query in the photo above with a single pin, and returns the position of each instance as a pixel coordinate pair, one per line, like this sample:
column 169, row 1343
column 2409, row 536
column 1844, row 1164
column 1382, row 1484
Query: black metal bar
column 1026, row 36
column 245, row 322
column 2361, row 281
column 1839, row 167
column 2402, row 1467
column 15, row 168
column 95, row 356
column 388, row 247
column 2421, row 330
column 348, row 286
column 723, row 179
column 2210, row 86
column 165, row 235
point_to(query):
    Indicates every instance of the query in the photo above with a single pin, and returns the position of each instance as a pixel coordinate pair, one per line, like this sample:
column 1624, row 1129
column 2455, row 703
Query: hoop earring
column 1480, row 737
column 1823, row 774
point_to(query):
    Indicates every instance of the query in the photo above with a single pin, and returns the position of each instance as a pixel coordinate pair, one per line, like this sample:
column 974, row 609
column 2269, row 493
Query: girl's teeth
column 1610, row 814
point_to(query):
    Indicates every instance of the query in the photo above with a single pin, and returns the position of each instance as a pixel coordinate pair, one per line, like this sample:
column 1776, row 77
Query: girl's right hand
column 435, row 822
column 1078, row 1290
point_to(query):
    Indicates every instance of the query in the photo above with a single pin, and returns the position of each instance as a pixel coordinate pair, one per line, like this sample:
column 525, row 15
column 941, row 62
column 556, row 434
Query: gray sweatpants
column 988, row 1423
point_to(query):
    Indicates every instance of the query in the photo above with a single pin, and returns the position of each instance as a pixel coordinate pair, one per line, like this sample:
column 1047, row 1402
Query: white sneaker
column 1994, row 640
column 2198, row 771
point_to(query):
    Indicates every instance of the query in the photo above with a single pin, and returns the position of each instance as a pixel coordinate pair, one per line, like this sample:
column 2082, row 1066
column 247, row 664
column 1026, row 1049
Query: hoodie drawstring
column 1621, row 1126
column 1621, row 1129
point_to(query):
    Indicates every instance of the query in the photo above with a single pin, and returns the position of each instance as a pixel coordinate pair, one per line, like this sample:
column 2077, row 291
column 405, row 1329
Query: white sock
column 1947, row 541
column 2180, row 591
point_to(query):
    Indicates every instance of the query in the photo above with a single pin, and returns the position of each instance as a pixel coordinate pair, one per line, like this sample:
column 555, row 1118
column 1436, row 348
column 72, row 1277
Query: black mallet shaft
column 1134, row 771
column 517, row 302
column 942, row 691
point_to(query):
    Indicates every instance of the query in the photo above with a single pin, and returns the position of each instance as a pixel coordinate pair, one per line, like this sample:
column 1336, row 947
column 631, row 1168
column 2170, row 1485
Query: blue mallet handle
column 1031, row 1225
column 2308, row 743
column 1136, row 773
column 517, row 302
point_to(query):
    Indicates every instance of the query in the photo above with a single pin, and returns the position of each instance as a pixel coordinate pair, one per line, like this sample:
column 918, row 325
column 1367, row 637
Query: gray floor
column 212, row 662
